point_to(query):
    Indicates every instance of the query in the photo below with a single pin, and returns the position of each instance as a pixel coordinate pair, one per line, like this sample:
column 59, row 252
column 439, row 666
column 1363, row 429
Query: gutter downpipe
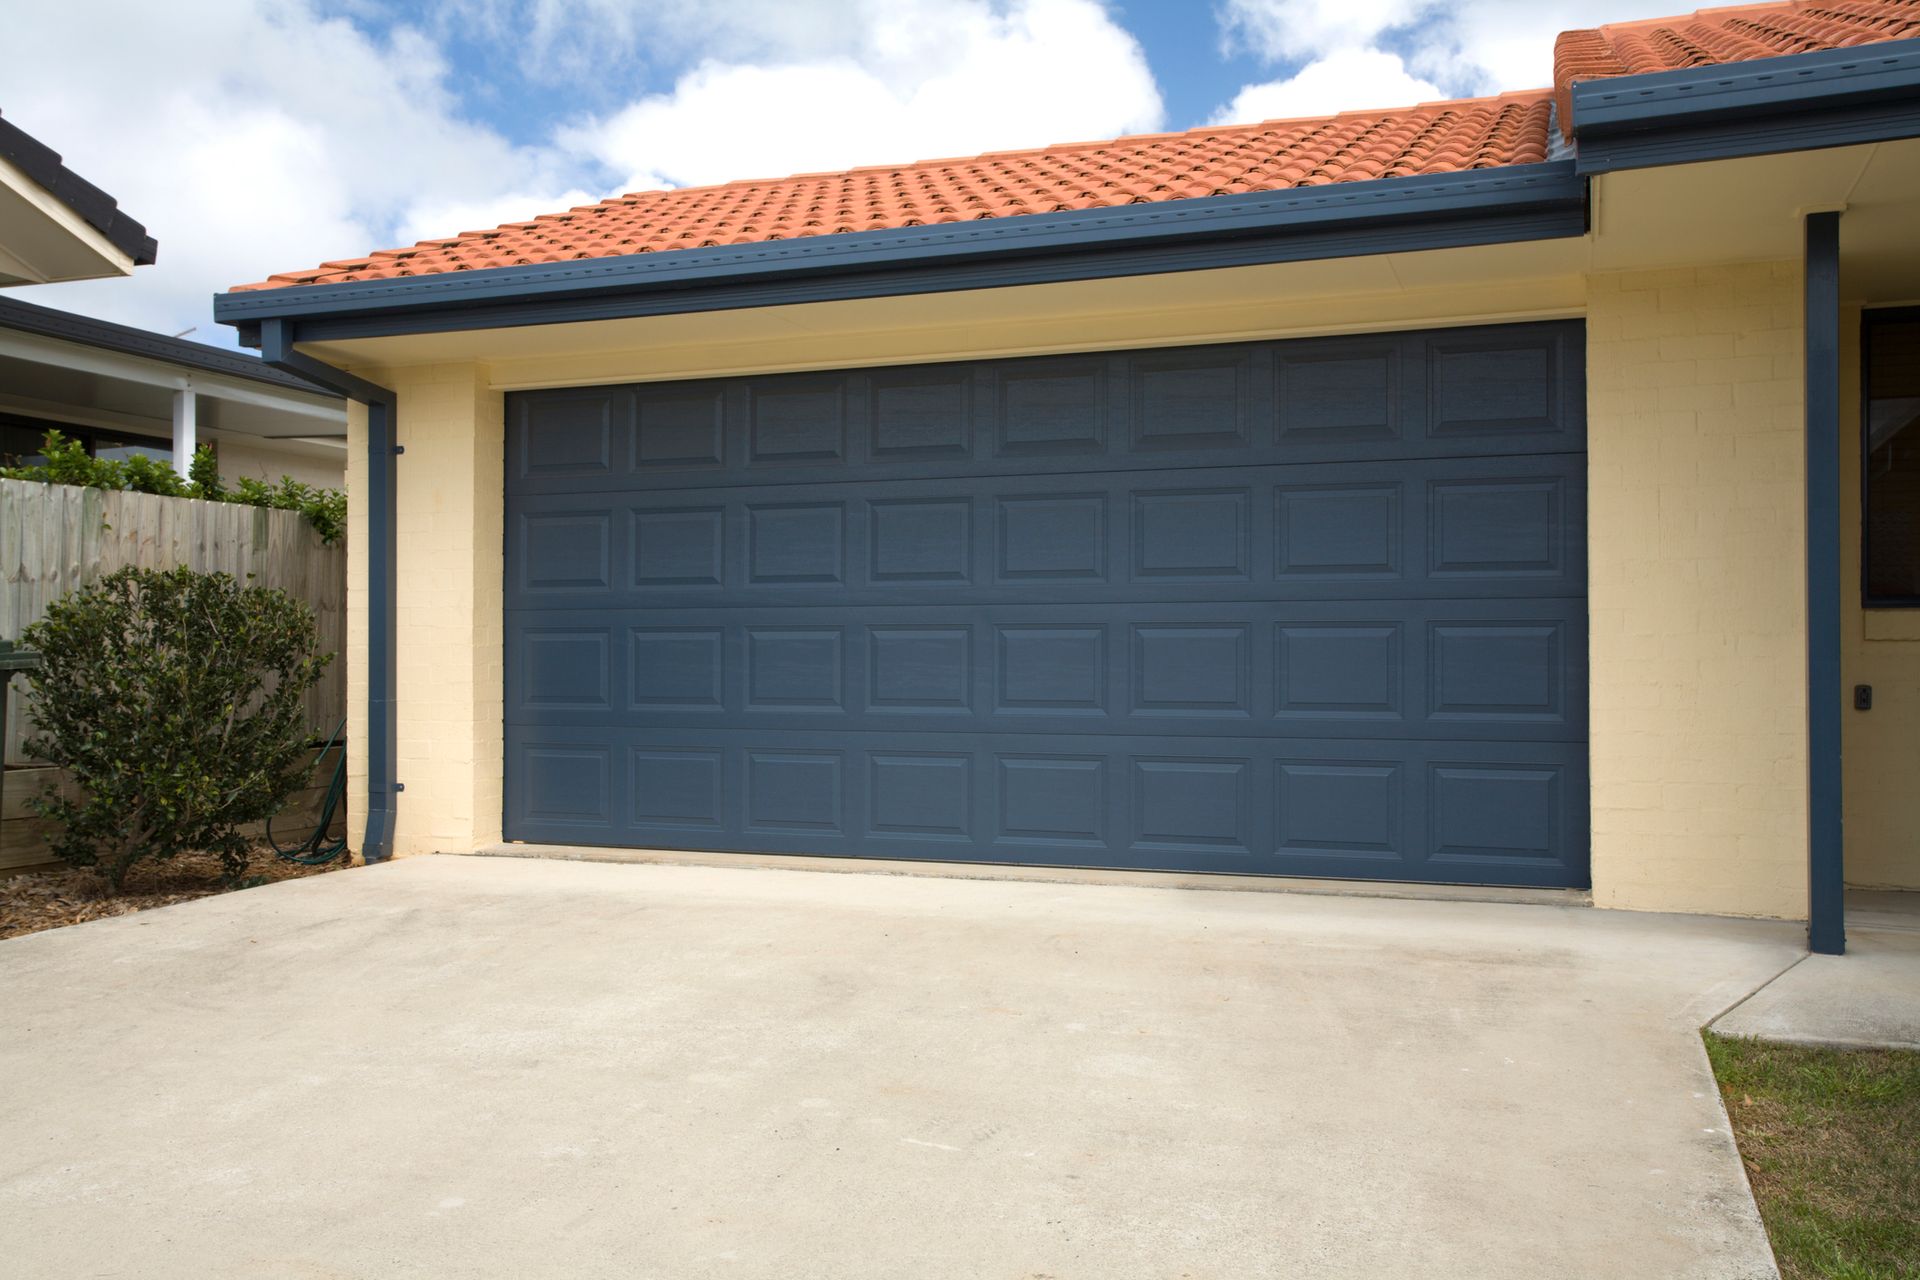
column 277, row 349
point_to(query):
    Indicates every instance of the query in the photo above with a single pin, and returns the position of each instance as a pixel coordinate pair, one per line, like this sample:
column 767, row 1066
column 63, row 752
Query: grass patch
column 1831, row 1141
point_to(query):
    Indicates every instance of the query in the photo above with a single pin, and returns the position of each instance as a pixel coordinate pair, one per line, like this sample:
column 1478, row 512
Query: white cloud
column 265, row 137
column 1343, row 80
column 1463, row 46
column 923, row 80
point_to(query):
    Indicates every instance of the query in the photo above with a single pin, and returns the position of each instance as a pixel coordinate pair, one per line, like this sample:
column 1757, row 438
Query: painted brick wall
column 1881, row 647
column 1695, row 420
column 450, row 564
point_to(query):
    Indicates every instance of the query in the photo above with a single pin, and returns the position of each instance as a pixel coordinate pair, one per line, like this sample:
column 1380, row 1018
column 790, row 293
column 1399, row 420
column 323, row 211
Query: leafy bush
column 67, row 463
column 174, row 698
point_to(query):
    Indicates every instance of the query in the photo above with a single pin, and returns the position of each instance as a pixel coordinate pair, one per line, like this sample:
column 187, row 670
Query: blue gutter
column 1826, row 874
column 276, row 343
column 1490, row 206
column 1799, row 102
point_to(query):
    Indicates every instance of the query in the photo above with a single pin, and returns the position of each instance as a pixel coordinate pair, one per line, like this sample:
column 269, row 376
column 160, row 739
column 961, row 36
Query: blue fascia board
column 1798, row 102
column 1511, row 203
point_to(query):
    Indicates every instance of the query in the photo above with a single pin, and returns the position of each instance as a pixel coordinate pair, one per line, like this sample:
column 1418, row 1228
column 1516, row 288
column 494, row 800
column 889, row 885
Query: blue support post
column 1826, row 874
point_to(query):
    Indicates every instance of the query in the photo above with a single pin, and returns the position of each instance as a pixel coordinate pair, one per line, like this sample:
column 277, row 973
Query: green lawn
column 1831, row 1140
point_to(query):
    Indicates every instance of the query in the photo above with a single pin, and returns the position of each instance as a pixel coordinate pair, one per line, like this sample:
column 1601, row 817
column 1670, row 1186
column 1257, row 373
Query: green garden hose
column 319, row 847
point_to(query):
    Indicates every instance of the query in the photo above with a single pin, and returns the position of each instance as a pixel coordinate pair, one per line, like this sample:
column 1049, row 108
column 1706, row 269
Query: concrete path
column 1868, row 998
column 463, row 1067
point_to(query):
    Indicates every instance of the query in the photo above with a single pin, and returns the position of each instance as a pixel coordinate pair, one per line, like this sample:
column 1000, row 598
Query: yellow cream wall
column 1698, row 619
column 450, row 679
column 1696, row 551
column 1880, row 749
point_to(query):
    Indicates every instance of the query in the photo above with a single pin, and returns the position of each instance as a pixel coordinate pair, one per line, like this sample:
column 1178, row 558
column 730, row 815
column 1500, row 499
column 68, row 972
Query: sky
column 254, row 136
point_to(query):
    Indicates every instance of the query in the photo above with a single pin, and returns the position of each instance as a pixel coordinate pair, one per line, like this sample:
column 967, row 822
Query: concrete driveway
column 492, row 1067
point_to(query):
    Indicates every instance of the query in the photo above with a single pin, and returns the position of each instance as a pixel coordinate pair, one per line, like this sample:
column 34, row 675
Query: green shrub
column 67, row 463
column 174, row 699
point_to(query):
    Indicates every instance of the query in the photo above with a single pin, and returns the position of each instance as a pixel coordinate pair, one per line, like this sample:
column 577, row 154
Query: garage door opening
column 1310, row 607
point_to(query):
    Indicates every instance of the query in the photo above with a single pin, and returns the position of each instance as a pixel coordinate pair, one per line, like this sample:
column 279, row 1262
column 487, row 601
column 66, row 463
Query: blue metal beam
column 1800, row 102
column 1513, row 203
column 276, row 343
column 1826, row 873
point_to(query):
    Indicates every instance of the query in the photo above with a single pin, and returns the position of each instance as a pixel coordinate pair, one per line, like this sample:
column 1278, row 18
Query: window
column 20, row 439
column 1890, row 454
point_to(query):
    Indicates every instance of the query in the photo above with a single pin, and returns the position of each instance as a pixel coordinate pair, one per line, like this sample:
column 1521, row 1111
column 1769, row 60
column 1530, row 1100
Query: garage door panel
column 1513, row 812
column 1308, row 608
column 1451, row 393
column 1503, row 526
column 1438, row 669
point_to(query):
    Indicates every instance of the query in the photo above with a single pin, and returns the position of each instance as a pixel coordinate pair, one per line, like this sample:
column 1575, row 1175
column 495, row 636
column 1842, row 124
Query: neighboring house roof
column 95, row 207
column 1738, row 33
column 24, row 317
column 1355, row 146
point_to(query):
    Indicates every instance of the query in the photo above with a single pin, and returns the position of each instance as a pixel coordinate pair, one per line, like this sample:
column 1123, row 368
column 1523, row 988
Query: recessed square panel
column 1337, row 531
column 679, row 547
column 1057, row 669
column 678, row 428
column 678, row 668
column 1192, row 804
column 1493, row 813
column 565, row 668
column 1497, row 671
column 920, row 668
column 921, row 541
column 1336, row 399
column 794, row 667
column 1337, row 670
column 1190, row 400
column 570, row 435
column 797, row 421
column 1192, row 534
column 1498, row 528
column 925, row 795
column 675, row 790
column 923, row 415
column 1339, row 809
column 1192, row 670
column 1059, row 537
column 565, row 551
column 794, row 791
column 1046, row 799
column 1493, row 389
column 797, row 544
column 1052, row 408
column 563, row 783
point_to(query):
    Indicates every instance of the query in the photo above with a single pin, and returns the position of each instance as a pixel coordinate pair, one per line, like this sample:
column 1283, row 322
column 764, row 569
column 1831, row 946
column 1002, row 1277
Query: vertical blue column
column 1826, row 875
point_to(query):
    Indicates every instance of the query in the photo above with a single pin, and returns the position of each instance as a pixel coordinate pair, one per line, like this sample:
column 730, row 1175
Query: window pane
column 1892, row 571
column 120, row 447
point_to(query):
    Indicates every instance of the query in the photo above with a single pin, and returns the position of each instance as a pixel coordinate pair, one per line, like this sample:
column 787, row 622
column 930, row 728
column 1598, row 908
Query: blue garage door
column 1304, row 608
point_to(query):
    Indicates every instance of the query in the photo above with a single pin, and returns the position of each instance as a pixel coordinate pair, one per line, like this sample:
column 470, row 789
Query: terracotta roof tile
column 1739, row 33
column 1355, row 146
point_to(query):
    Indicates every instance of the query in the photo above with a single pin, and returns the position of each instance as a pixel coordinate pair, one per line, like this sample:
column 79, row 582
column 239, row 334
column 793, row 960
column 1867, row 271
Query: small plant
column 67, row 462
column 174, row 698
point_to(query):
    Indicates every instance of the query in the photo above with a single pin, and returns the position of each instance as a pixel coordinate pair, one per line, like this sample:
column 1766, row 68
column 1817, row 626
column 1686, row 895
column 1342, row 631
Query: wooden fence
column 55, row 537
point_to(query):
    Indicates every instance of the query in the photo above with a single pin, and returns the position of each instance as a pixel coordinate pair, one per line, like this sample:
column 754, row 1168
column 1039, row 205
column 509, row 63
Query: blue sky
column 262, row 136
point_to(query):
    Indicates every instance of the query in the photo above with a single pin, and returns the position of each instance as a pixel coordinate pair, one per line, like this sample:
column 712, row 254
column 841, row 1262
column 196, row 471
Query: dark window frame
column 89, row 436
column 1868, row 319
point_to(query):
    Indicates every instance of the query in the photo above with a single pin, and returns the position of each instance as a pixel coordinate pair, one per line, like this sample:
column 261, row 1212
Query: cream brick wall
column 449, row 686
column 1880, row 749
column 1697, row 552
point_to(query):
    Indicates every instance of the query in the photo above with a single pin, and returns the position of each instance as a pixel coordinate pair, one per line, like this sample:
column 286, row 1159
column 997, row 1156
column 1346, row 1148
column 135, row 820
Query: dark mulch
column 34, row 900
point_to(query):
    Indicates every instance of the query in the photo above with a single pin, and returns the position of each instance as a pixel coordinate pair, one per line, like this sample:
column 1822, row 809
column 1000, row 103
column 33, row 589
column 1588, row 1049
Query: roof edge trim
column 1386, row 215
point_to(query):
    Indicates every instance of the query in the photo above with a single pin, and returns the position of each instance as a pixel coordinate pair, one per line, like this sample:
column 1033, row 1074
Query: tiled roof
column 1436, row 137
column 1739, row 33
